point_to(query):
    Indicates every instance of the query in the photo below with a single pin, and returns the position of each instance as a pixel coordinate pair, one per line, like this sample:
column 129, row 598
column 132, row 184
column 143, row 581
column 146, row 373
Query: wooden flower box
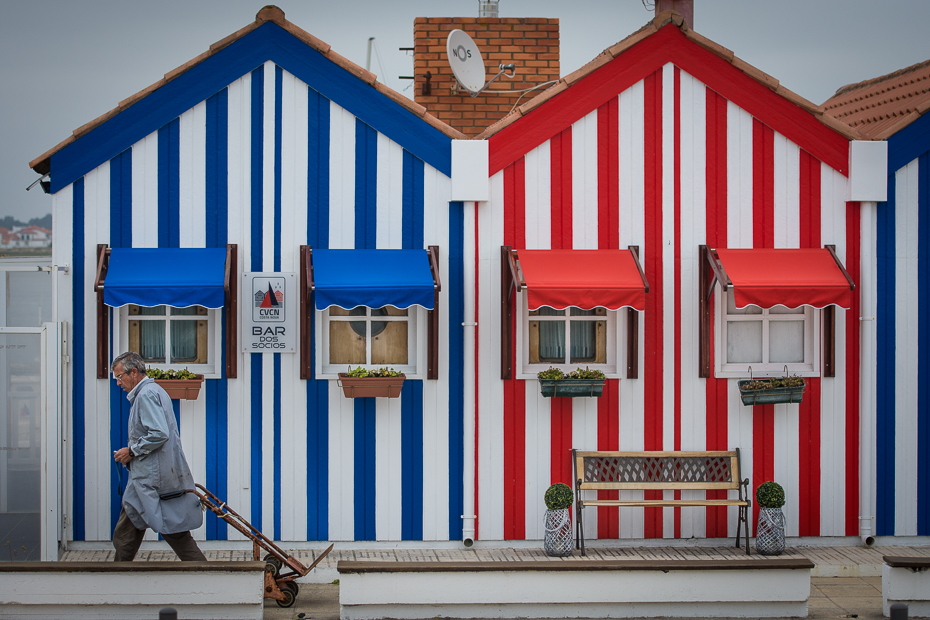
column 371, row 387
column 771, row 396
column 184, row 389
column 571, row 388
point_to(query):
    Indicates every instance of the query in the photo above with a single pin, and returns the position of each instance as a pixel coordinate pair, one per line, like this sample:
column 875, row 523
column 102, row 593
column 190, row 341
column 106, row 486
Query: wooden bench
column 659, row 471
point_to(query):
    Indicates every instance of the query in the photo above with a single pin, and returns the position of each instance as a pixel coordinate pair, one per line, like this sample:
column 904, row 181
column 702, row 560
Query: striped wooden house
column 669, row 144
column 263, row 150
column 894, row 108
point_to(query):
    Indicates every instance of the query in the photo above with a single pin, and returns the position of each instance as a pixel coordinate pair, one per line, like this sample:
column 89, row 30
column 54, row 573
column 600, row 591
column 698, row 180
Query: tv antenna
column 468, row 65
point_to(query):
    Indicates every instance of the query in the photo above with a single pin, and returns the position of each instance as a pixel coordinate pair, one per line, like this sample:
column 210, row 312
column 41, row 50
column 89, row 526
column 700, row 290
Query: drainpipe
column 470, row 374
column 867, row 374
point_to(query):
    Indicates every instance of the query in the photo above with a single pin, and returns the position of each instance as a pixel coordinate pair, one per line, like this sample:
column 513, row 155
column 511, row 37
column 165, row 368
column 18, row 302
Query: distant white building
column 25, row 237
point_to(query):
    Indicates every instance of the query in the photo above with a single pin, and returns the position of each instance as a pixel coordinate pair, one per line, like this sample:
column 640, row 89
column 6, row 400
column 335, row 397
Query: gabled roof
column 883, row 106
column 667, row 38
column 269, row 37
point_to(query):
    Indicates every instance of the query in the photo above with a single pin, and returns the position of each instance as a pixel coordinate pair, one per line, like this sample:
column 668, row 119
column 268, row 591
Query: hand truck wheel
column 273, row 565
column 290, row 597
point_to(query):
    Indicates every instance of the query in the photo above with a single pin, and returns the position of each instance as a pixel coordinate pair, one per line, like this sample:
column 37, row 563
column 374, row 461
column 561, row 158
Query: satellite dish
column 466, row 61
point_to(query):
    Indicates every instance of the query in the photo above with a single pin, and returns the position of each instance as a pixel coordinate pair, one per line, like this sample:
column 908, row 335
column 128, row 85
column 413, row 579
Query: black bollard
column 170, row 613
column 899, row 611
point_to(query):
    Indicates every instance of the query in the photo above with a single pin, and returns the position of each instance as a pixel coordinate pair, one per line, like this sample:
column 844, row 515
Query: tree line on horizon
column 9, row 222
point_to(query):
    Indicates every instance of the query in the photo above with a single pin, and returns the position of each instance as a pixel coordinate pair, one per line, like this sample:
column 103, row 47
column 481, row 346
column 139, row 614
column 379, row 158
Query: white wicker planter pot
column 770, row 534
column 559, row 540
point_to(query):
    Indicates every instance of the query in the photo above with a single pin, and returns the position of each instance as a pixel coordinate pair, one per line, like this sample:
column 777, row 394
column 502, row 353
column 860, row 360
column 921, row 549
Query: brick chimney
column 530, row 43
column 685, row 8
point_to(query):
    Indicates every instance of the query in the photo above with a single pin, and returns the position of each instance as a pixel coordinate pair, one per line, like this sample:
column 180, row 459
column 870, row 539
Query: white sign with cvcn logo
column 268, row 309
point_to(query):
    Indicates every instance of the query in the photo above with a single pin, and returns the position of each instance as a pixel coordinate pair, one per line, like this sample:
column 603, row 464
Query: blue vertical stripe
column 366, row 229
column 216, row 226
column 257, row 137
column 217, row 170
column 78, row 371
column 412, row 201
column 257, row 152
column 169, row 177
column 121, row 200
column 317, row 391
column 278, row 109
column 366, row 186
column 120, row 237
column 923, row 330
column 365, row 467
column 411, row 454
column 885, row 365
column 256, row 436
column 456, row 314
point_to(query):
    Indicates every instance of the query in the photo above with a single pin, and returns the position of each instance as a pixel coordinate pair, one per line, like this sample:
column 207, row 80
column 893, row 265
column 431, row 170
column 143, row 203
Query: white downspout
column 867, row 373
column 469, row 375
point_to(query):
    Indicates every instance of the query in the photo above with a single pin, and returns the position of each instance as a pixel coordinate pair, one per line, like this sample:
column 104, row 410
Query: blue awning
column 178, row 277
column 373, row 278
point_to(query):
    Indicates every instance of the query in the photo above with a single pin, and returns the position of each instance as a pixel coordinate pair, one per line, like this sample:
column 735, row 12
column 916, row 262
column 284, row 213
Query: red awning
column 582, row 278
column 786, row 277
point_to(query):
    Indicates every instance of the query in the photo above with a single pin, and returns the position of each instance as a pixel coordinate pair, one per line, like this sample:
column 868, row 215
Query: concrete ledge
column 906, row 580
column 575, row 589
column 131, row 589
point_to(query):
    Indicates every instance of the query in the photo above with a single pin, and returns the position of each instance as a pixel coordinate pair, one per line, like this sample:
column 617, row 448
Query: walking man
column 158, row 471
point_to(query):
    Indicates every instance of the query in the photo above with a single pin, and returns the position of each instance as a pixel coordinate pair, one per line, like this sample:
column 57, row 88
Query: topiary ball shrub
column 559, row 496
column 770, row 495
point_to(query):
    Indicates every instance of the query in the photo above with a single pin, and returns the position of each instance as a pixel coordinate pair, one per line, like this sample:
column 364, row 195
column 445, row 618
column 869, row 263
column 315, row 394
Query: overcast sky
column 65, row 62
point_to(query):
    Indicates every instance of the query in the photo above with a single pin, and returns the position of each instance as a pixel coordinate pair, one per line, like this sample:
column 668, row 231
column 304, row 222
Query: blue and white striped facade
column 902, row 324
column 269, row 145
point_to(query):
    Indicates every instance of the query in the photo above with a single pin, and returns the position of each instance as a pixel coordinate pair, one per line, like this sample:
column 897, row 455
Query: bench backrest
column 656, row 470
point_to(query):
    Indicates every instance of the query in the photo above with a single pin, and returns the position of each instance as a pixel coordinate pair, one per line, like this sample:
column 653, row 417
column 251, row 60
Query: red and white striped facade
column 667, row 163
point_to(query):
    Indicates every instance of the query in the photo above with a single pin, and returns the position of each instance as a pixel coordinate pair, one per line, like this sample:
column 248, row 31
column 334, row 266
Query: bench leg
column 743, row 522
column 579, row 526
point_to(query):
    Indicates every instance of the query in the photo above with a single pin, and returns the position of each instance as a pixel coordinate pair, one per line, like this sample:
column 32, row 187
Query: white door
column 31, row 478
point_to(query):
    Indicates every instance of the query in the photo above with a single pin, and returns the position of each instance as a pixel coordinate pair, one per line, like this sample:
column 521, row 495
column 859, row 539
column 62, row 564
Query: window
column 168, row 337
column 765, row 339
column 370, row 337
column 567, row 339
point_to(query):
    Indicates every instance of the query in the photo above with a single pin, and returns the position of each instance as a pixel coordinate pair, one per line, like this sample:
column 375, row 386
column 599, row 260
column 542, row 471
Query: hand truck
column 281, row 570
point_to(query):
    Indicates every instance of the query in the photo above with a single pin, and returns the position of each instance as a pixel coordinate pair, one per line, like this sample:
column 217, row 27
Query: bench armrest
column 745, row 485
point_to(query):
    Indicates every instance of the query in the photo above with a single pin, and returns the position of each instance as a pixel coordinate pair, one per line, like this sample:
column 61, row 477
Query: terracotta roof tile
column 882, row 106
column 270, row 13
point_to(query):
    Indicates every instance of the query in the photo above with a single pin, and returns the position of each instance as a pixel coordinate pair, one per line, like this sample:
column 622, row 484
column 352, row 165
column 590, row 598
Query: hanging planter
column 380, row 383
column 576, row 384
column 180, row 384
column 772, row 390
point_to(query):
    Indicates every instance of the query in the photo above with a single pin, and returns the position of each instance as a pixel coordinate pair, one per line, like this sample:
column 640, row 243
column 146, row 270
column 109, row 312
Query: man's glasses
column 120, row 375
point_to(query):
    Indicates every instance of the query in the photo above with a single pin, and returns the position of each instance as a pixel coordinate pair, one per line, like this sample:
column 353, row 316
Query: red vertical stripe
column 763, row 236
column 608, row 438
column 608, row 227
column 560, row 465
column 716, row 236
column 514, row 389
column 810, row 408
column 652, row 252
column 560, row 162
column 676, row 249
column 853, row 258
column 608, row 176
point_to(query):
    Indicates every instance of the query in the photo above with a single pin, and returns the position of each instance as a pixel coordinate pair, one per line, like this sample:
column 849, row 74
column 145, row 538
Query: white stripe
column 693, row 148
column 388, row 478
column 192, row 132
column 906, row 351
column 294, row 453
column 341, row 178
column 145, row 192
column 537, row 459
column 538, row 224
column 341, row 465
column 631, row 146
column 584, row 183
column 239, row 185
column 268, row 156
column 490, row 397
column 390, row 194
column 739, row 177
